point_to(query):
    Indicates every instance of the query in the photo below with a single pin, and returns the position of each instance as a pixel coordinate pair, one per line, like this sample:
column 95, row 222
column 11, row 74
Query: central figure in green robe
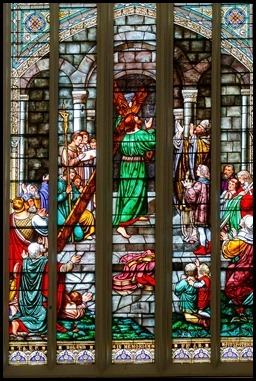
column 132, row 200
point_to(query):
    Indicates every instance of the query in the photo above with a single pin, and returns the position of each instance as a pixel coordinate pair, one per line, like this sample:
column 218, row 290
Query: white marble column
column 14, row 172
column 90, row 121
column 24, row 98
column 178, row 114
column 245, row 130
column 190, row 98
column 79, row 102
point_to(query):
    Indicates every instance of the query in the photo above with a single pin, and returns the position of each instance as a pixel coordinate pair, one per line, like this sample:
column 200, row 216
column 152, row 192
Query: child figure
column 203, row 286
column 188, row 295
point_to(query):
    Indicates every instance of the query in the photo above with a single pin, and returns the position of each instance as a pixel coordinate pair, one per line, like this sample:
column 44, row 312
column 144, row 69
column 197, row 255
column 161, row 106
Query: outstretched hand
column 179, row 128
column 87, row 296
column 223, row 235
column 187, row 183
column 75, row 258
column 24, row 254
column 149, row 123
column 191, row 129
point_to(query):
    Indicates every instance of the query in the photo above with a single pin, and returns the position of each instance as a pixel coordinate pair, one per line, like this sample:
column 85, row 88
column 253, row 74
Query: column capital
column 79, row 96
column 178, row 113
column 190, row 95
column 90, row 115
column 14, row 142
column 245, row 92
column 24, row 97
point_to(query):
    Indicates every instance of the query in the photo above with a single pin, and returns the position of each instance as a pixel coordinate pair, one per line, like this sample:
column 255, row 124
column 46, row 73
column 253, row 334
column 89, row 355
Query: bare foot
column 143, row 218
column 121, row 230
column 15, row 326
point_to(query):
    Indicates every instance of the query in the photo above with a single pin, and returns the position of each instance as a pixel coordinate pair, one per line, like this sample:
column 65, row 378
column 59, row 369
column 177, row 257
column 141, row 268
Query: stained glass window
column 143, row 261
column 134, row 146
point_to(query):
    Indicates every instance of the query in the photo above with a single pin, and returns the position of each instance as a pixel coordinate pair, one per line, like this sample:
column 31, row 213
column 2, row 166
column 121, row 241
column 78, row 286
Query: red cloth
column 239, row 277
column 204, row 293
column 138, row 269
column 246, row 203
column 17, row 244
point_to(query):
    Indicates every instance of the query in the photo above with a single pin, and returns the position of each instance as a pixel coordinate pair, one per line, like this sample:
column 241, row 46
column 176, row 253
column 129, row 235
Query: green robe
column 232, row 213
column 188, row 296
column 64, row 208
column 131, row 202
column 32, row 300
